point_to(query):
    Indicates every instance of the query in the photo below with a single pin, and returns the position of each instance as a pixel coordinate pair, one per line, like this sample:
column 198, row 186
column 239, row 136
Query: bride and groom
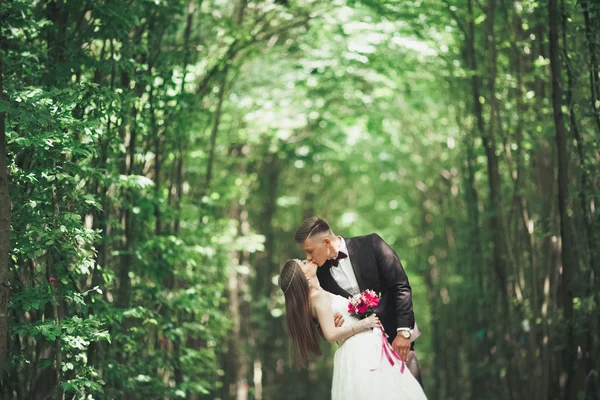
column 317, row 290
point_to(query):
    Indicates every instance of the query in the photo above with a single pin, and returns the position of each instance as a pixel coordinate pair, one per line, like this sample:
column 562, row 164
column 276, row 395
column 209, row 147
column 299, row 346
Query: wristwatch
column 405, row 333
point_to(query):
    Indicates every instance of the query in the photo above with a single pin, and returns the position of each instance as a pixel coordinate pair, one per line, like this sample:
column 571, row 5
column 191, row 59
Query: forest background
column 156, row 157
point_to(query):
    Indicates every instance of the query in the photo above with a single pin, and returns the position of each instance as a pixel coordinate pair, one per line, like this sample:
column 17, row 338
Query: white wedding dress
column 361, row 371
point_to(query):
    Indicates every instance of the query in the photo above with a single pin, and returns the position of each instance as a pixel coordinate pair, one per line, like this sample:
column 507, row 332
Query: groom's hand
column 401, row 345
column 338, row 320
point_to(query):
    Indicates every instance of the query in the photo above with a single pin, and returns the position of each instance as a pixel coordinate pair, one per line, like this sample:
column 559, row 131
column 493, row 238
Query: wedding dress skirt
column 361, row 369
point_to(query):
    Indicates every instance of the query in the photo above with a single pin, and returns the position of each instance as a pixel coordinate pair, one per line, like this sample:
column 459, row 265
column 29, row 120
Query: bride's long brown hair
column 299, row 317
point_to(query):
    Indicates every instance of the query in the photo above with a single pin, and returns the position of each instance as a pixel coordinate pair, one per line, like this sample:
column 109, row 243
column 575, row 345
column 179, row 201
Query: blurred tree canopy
column 156, row 157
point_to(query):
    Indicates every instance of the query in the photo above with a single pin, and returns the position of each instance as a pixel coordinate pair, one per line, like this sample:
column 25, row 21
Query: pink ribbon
column 390, row 354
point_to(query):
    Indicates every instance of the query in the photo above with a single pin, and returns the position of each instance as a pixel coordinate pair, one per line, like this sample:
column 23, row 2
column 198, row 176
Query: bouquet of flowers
column 363, row 304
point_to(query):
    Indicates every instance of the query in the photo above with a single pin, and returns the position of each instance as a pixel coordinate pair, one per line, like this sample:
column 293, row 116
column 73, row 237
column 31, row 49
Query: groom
column 350, row 265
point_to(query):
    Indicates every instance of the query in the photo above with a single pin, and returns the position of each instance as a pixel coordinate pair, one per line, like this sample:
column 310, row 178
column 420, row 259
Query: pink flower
column 372, row 298
column 362, row 308
column 363, row 304
column 369, row 295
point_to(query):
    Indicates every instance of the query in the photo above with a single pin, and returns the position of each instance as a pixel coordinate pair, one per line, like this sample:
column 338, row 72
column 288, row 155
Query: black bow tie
column 336, row 261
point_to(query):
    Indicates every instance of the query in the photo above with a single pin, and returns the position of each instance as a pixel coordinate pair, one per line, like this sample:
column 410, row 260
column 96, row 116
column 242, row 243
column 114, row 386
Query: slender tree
column 5, row 221
column 567, row 256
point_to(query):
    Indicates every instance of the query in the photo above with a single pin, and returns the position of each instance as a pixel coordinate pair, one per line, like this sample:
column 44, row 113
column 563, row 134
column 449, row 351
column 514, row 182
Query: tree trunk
column 568, row 265
column 478, row 350
column 496, row 219
column 267, row 266
column 213, row 134
column 213, row 140
column 129, row 136
column 544, row 164
column 5, row 216
column 57, row 313
column 589, row 255
column 489, row 142
column 127, row 217
column 476, row 86
column 157, row 163
column 524, row 236
column 56, row 33
column 585, row 172
column 237, row 342
column 431, row 276
column 180, row 154
column 593, row 63
column 178, row 188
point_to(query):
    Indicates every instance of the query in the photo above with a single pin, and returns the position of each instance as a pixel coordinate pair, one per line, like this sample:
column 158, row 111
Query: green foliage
column 162, row 153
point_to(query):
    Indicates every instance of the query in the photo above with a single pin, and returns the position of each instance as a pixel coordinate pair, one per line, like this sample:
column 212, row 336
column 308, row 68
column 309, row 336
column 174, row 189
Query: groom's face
column 315, row 249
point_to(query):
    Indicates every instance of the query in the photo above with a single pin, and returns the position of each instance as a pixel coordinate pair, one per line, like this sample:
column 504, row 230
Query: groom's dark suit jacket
column 378, row 268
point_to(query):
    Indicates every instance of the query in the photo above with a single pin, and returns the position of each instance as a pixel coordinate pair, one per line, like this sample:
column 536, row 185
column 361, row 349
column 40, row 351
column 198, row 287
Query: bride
column 363, row 368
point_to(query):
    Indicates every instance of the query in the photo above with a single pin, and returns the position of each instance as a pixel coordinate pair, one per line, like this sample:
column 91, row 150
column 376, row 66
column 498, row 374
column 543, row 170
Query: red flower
column 371, row 298
column 363, row 304
column 53, row 280
column 362, row 307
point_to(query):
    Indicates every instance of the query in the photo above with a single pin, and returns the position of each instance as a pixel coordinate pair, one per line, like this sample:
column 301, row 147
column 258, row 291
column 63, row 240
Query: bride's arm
column 322, row 306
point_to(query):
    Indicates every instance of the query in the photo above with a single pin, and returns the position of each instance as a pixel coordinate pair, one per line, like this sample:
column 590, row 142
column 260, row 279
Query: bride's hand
column 372, row 321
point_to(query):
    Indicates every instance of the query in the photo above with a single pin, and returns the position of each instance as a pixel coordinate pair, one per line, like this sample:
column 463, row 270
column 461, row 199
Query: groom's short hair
column 310, row 227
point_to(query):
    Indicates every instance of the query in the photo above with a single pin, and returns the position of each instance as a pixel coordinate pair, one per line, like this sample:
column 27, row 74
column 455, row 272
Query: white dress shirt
column 343, row 274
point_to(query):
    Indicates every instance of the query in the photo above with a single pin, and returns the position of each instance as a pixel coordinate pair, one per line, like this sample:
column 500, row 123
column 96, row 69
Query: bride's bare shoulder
column 320, row 297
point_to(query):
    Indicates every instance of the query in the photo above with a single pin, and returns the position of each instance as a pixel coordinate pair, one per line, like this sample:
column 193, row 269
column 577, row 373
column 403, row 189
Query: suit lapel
column 355, row 261
column 327, row 281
